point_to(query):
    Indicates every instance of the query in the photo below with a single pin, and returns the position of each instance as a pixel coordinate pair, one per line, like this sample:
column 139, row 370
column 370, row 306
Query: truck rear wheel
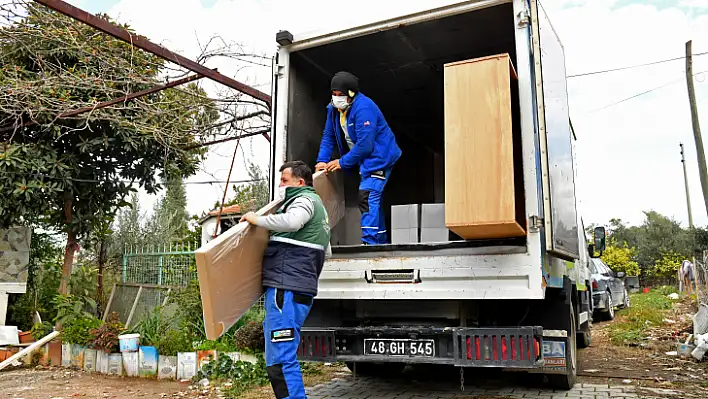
column 377, row 369
column 585, row 335
column 567, row 381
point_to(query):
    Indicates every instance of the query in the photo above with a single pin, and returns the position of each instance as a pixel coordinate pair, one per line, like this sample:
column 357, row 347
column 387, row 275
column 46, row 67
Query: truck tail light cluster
column 515, row 347
column 509, row 349
column 316, row 345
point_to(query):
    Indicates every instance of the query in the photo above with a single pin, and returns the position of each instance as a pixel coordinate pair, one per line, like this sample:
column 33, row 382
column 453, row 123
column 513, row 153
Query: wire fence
column 132, row 302
column 150, row 275
column 170, row 265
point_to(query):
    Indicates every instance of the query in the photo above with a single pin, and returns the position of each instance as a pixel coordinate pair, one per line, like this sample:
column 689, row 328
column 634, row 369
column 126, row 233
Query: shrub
column 250, row 337
column 41, row 330
column 243, row 375
column 105, row 337
column 173, row 342
column 153, row 327
column 78, row 331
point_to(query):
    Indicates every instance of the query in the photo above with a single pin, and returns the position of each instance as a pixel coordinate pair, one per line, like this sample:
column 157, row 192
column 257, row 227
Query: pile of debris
column 696, row 344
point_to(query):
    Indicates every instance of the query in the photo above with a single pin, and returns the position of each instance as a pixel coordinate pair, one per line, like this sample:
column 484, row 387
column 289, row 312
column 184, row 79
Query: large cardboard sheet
column 330, row 187
column 229, row 267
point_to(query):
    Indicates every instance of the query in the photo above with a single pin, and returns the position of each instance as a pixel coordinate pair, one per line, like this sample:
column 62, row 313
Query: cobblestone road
column 374, row 388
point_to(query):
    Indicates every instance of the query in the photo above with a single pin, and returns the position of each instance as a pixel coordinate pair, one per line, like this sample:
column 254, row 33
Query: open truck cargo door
column 555, row 137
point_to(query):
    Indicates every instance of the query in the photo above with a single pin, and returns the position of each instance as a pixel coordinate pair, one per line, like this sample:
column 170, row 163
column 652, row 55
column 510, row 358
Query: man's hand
column 333, row 165
column 320, row 166
column 250, row 217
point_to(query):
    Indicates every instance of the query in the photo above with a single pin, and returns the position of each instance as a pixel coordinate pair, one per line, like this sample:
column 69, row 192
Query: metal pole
column 685, row 180
column 700, row 152
column 125, row 268
column 159, row 273
column 143, row 43
column 115, row 101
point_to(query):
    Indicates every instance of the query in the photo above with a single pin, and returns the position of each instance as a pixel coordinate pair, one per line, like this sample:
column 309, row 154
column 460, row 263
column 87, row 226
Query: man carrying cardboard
column 292, row 263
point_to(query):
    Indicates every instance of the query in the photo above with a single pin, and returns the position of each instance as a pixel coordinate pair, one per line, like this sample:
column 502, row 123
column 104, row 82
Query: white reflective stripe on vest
column 298, row 243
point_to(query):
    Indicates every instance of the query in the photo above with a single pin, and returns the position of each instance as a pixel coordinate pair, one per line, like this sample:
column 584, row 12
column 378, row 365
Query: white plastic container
column 129, row 342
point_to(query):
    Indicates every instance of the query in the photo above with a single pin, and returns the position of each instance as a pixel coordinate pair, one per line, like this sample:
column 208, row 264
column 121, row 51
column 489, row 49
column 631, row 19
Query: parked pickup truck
column 521, row 303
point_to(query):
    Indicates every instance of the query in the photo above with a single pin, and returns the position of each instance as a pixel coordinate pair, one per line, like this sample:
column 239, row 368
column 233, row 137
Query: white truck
column 522, row 303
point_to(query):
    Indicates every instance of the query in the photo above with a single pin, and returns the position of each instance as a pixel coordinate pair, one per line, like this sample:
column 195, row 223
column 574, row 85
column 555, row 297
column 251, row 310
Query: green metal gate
column 171, row 265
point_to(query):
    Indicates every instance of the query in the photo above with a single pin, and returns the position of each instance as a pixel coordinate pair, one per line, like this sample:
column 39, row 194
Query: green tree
column 668, row 265
column 660, row 235
column 74, row 172
column 169, row 220
column 620, row 258
column 128, row 231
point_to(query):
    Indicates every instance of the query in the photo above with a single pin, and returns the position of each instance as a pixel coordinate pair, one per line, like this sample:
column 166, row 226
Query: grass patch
column 647, row 310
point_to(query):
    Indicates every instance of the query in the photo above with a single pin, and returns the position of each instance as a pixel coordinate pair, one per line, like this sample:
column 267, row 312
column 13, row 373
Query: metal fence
column 150, row 274
column 171, row 265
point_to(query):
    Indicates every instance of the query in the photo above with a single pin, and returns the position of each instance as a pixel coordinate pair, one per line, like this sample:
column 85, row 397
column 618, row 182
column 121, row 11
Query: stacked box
column 405, row 222
column 432, row 222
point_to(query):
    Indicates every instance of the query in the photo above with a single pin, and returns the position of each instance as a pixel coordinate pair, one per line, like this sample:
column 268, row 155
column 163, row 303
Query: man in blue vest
column 364, row 140
column 292, row 263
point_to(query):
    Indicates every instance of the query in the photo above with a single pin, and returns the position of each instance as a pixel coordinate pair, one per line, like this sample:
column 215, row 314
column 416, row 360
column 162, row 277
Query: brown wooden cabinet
column 480, row 201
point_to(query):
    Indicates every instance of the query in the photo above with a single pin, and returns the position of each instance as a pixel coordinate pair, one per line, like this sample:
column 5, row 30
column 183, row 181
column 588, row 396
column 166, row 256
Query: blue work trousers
column 373, row 219
column 286, row 312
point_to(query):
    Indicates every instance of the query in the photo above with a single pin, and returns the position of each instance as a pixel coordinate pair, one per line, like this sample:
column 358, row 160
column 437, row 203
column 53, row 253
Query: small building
column 14, row 264
column 229, row 218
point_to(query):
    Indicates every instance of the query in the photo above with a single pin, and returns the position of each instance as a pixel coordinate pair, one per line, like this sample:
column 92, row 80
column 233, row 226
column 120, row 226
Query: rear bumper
column 518, row 347
column 599, row 300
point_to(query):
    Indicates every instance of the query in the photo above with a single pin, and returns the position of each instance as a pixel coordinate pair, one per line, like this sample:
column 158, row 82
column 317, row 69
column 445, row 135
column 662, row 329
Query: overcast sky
column 628, row 151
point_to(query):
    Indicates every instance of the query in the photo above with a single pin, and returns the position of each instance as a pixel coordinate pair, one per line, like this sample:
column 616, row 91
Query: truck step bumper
column 517, row 347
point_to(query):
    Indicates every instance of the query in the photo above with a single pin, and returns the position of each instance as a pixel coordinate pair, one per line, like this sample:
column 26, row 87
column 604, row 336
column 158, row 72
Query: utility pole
column 700, row 152
column 685, row 181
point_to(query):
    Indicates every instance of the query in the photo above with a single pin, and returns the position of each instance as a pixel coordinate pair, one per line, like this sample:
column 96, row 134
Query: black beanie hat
column 344, row 82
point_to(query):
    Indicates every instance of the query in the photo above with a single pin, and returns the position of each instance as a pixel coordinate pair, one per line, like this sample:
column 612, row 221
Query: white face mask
column 340, row 102
column 281, row 191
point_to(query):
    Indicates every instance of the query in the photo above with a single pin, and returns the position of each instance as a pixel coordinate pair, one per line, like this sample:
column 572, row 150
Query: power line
column 643, row 93
column 631, row 67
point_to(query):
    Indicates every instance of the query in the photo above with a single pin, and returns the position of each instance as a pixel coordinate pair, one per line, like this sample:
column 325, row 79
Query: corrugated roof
column 228, row 210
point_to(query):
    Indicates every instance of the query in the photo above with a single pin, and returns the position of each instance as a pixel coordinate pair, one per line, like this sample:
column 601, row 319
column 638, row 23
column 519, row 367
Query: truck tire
column 377, row 369
column 585, row 335
column 567, row 381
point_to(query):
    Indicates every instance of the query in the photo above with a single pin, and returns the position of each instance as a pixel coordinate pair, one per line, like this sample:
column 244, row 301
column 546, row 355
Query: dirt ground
column 59, row 383
column 647, row 365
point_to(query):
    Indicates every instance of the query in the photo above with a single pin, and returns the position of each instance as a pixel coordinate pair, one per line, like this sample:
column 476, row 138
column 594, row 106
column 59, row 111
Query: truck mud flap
column 317, row 345
column 518, row 347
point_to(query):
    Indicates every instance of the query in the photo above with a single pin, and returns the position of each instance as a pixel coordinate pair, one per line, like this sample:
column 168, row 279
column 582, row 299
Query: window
column 594, row 269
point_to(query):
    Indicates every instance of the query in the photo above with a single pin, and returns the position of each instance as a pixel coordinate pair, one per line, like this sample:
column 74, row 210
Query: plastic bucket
column 129, row 342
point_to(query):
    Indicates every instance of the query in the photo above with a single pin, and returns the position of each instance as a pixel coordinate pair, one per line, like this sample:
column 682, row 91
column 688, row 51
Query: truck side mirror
column 599, row 238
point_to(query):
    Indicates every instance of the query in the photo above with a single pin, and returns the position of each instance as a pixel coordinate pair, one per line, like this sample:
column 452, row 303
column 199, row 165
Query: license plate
column 399, row 347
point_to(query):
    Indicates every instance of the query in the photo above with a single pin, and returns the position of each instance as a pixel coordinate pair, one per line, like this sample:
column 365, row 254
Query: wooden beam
column 28, row 349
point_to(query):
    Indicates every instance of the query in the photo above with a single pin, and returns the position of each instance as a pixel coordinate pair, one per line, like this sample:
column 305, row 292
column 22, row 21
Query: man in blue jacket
column 364, row 139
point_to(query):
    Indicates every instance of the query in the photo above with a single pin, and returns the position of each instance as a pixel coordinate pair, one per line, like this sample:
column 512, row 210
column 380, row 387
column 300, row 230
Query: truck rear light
column 317, row 345
column 594, row 284
column 509, row 347
column 524, row 353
